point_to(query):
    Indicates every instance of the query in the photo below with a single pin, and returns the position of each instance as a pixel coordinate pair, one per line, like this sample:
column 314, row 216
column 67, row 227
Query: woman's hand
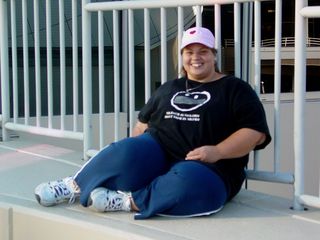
column 208, row 153
column 236, row 145
column 139, row 128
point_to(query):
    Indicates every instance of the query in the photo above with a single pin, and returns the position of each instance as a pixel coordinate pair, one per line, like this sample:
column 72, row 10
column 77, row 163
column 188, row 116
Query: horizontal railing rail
column 285, row 42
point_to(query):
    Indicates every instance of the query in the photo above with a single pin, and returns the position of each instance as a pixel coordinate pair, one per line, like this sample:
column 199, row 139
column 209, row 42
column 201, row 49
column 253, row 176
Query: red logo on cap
column 193, row 32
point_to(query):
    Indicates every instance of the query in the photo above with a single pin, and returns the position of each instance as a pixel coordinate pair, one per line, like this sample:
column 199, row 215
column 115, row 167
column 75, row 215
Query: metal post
column 257, row 62
column 14, row 60
column 299, row 98
column 257, row 46
column 246, row 40
column 277, row 85
column 101, row 79
column 180, row 33
column 237, row 40
column 125, row 67
column 37, row 60
column 62, row 65
column 116, row 60
column 4, row 68
column 163, row 45
column 87, row 79
column 75, row 66
column 131, row 70
column 147, row 57
column 217, row 34
column 49, row 63
column 198, row 16
column 25, row 61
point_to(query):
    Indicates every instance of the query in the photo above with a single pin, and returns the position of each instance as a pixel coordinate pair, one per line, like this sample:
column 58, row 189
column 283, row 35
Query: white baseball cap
column 197, row 35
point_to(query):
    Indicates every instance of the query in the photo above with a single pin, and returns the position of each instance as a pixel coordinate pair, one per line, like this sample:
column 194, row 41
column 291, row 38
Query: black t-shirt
column 184, row 114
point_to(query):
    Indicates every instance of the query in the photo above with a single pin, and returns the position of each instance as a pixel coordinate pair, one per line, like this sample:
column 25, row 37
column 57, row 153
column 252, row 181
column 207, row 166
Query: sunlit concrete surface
column 24, row 163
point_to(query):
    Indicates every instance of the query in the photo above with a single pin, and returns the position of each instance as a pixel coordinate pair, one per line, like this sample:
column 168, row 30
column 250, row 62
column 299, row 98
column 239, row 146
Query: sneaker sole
column 45, row 204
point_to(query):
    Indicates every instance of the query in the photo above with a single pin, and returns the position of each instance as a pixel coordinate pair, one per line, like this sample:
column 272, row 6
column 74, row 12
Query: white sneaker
column 55, row 192
column 105, row 200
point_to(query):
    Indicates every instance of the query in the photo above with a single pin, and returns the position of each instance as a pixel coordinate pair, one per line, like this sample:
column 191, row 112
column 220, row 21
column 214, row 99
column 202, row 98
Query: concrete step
column 24, row 164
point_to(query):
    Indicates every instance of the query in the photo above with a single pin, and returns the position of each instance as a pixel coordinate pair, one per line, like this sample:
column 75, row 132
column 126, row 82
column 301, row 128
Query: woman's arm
column 139, row 128
column 236, row 145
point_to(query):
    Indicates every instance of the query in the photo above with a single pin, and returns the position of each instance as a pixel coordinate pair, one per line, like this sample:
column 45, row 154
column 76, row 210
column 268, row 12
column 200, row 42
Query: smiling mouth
column 196, row 65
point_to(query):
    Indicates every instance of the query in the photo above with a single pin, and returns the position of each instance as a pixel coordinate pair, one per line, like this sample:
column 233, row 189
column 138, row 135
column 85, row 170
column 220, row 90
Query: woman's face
column 198, row 61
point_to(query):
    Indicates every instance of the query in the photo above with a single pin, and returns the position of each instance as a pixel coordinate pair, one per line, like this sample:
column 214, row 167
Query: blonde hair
column 183, row 72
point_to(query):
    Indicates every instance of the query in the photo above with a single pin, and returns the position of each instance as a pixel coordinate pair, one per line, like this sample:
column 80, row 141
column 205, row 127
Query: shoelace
column 61, row 189
column 116, row 200
column 76, row 190
column 125, row 202
column 73, row 198
column 67, row 189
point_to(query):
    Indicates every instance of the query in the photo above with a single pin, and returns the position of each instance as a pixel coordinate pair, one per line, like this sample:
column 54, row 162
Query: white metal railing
column 40, row 125
column 124, row 71
column 285, row 42
column 302, row 13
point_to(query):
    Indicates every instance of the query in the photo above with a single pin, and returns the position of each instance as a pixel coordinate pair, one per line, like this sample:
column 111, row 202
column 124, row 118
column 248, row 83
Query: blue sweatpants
column 158, row 186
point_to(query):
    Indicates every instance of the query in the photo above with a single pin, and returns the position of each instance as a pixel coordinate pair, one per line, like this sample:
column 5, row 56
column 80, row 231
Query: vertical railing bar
column 198, row 16
column 277, row 85
column 62, row 65
column 237, row 40
column 116, row 60
column 49, row 62
column 4, row 68
column 217, row 33
column 37, row 61
column 250, row 60
column 131, row 70
column 245, row 42
column 101, row 78
column 125, row 65
column 257, row 62
column 14, row 60
column 180, row 33
column 87, row 79
column 75, row 66
column 299, row 98
column 163, row 45
column 147, row 61
column 257, row 46
column 25, row 62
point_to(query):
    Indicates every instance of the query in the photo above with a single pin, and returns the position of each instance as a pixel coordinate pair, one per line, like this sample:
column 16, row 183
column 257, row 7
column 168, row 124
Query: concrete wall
column 21, row 223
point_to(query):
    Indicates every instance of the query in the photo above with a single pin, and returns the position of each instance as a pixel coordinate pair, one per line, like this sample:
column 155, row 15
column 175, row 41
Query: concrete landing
column 24, row 164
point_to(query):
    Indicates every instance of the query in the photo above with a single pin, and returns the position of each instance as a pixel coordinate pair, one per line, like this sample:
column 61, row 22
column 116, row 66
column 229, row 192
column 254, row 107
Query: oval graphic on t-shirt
column 188, row 101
